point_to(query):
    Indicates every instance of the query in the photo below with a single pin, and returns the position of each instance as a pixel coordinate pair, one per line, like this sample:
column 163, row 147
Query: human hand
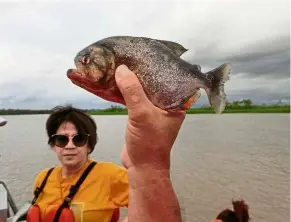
column 150, row 135
column 151, row 132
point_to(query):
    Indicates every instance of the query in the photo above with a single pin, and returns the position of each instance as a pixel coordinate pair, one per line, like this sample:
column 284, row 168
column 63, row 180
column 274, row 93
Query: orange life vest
column 63, row 213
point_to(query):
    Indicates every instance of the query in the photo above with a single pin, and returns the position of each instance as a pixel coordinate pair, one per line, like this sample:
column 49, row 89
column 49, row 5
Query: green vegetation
column 22, row 112
column 243, row 106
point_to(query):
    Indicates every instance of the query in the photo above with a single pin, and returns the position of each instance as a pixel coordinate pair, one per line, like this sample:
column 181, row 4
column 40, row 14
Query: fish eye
column 85, row 60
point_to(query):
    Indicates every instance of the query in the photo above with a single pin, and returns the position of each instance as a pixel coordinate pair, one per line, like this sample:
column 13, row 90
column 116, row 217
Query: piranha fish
column 170, row 82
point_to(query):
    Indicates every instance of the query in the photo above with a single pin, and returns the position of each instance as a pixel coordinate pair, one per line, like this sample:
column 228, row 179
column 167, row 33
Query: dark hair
column 82, row 121
column 240, row 213
column 227, row 216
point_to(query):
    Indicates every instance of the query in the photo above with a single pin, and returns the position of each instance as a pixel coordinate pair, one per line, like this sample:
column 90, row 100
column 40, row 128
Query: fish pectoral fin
column 187, row 105
column 177, row 48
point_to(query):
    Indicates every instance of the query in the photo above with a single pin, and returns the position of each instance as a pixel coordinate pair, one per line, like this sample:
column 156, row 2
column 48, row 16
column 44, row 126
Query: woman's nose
column 70, row 145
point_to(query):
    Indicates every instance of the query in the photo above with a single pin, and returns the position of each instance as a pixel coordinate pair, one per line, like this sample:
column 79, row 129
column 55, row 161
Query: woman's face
column 71, row 151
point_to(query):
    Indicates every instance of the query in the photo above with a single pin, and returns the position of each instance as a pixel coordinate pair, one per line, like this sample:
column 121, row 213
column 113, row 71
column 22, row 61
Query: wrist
column 152, row 194
column 146, row 176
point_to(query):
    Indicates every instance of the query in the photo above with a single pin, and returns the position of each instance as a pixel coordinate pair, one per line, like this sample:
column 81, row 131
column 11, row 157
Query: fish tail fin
column 216, row 95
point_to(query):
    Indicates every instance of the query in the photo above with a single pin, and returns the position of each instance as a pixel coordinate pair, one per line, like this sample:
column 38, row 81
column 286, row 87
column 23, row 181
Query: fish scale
column 160, row 73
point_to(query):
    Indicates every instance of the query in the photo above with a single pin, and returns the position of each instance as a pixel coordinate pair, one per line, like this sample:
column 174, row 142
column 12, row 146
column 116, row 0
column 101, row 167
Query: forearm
column 152, row 197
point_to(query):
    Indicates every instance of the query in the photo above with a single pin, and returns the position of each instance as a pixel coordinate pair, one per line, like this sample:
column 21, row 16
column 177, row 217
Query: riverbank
column 122, row 111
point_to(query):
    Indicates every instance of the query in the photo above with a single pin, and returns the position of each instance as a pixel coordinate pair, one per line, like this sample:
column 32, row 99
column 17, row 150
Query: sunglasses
column 61, row 140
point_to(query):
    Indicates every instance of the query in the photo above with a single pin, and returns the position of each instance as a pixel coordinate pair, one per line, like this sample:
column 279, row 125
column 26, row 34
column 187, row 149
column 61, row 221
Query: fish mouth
column 108, row 91
column 97, row 76
column 85, row 82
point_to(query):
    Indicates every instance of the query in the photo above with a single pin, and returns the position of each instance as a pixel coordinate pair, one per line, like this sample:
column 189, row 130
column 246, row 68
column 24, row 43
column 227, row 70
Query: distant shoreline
column 115, row 110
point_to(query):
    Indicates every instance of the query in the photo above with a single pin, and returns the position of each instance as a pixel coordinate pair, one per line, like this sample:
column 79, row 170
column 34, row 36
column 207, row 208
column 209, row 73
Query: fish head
column 94, row 72
column 94, row 66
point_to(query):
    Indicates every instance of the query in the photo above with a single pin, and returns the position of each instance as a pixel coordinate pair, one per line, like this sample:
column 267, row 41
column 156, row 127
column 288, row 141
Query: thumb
column 130, row 88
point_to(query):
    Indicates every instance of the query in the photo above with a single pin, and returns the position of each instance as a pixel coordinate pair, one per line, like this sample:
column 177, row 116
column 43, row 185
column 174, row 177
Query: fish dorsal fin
column 177, row 48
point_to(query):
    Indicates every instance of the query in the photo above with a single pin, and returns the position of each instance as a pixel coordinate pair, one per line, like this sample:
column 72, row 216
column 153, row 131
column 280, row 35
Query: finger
column 130, row 88
column 125, row 157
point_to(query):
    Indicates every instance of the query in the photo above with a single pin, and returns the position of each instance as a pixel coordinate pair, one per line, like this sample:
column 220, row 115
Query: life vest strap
column 38, row 190
column 73, row 191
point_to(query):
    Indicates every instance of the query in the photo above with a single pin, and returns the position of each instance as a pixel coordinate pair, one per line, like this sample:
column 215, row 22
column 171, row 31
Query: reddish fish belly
column 108, row 92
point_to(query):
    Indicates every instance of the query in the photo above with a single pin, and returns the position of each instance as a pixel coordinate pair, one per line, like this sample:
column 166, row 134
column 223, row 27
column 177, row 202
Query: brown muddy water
column 216, row 158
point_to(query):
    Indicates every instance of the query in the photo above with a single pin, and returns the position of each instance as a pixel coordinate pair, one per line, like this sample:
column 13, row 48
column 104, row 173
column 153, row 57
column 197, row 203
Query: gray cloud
column 269, row 58
column 38, row 103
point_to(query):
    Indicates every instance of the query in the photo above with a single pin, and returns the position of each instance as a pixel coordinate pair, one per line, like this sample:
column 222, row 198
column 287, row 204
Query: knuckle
column 141, row 117
column 130, row 86
column 133, row 91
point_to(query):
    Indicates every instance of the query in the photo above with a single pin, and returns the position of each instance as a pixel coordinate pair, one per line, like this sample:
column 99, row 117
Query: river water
column 216, row 158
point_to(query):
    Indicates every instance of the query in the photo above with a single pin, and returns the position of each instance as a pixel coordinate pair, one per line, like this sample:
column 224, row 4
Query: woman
column 72, row 136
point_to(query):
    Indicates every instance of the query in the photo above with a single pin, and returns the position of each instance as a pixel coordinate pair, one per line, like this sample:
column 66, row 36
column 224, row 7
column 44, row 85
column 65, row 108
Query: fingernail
column 122, row 71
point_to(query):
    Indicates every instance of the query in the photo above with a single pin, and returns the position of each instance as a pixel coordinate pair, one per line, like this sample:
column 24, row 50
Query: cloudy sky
column 39, row 40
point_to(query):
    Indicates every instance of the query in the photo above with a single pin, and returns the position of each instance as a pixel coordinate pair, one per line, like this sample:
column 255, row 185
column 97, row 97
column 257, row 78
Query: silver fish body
column 170, row 82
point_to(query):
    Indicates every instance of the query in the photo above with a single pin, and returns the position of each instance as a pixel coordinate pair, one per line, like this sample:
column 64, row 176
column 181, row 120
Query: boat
column 8, row 209
column 3, row 121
